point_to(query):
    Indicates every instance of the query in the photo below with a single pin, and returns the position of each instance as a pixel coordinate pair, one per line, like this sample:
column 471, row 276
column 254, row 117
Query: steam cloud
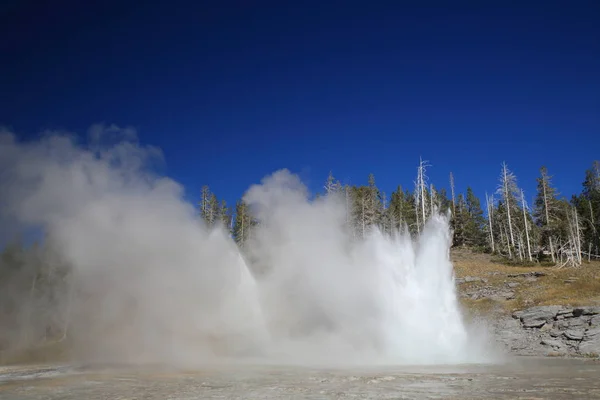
column 150, row 283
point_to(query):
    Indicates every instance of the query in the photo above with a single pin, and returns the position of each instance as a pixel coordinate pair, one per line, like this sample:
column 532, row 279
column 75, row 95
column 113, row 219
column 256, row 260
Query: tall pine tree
column 474, row 222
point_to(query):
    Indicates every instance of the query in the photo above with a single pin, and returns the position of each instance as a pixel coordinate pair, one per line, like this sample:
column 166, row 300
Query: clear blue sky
column 233, row 90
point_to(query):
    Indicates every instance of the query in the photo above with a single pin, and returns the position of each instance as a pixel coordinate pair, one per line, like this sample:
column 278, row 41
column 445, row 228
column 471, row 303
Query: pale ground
column 523, row 378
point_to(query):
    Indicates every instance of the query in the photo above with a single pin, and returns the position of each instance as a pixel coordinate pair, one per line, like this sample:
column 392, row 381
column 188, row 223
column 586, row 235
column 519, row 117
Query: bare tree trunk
column 490, row 216
column 417, row 199
column 503, row 239
column 508, row 245
column 507, row 197
column 526, row 225
column 417, row 218
column 578, row 237
column 574, row 239
column 452, row 191
column 347, row 195
column 431, row 202
column 521, row 247
column 363, row 216
column 69, row 308
column 421, row 180
column 548, row 219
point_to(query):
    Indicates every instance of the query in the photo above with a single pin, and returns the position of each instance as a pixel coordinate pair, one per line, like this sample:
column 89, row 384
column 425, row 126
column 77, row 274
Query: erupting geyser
column 152, row 284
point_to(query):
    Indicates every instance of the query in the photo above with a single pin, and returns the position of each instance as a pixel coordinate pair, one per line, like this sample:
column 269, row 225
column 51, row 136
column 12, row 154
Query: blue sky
column 234, row 90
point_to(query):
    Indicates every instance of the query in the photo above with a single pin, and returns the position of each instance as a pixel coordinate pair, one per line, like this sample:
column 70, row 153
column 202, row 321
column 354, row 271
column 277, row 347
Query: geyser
column 150, row 283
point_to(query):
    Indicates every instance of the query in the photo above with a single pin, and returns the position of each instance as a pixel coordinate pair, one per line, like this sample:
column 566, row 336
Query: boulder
column 555, row 333
column 574, row 334
column 592, row 333
column 536, row 317
column 590, row 346
column 501, row 296
column 591, row 310
column 568, row 323
column 565, row 312
column 595, row 321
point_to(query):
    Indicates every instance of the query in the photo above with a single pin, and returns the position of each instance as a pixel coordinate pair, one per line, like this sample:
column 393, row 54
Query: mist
column 143, row 280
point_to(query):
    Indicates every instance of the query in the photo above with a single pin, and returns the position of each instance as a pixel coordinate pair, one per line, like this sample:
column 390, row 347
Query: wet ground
column 523, row 378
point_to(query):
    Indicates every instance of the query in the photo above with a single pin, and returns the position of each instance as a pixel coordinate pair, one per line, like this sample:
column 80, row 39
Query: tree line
column 554, row 228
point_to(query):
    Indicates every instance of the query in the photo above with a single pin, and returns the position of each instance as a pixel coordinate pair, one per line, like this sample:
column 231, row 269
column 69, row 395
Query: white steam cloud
column 152, row 284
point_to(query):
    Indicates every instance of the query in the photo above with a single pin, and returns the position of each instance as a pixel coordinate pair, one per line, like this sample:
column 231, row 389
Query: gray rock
column 575, row 323
column 501, row 296
column 518, row 314
column 586, row 311
column 557, row 344
column 536, row 317
column 547, row 327
column 512, row 285
column 590, row 346
column 555, row 333
column 558, row 331
column 533, row 323
column 565, row 312
column 574, row 334
column 591, row 334
column 526, row 274
column 563, row 316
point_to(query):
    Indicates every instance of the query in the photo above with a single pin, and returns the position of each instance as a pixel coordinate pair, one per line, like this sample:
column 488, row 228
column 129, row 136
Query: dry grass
column 566, row 286
column 51, row 351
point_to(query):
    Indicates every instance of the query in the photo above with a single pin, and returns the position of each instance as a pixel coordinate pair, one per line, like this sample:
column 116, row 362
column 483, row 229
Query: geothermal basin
column 519, row 378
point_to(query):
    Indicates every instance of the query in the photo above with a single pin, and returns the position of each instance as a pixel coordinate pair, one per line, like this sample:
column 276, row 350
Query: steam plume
column 150, row 283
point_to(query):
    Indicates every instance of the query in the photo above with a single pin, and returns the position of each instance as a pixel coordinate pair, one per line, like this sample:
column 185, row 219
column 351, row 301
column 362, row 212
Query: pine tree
column 474, row 222
column 244, row 223
column 587, row 205
column 375, row 198
column 442, row 201
column 214, row 211
column 386, row 220
column 367, row 208
column 545, row 212
column 332, row 186
column 461, row 221
column 205, row 203
column 409, row 211
column 396, row 209
column 225, row 216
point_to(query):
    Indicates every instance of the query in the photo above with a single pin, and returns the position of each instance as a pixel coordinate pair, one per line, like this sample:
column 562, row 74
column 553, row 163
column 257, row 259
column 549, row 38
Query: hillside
column 486, row 284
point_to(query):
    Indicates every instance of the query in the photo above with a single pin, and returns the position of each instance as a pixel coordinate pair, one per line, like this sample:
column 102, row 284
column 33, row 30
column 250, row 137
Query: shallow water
column 521, row 378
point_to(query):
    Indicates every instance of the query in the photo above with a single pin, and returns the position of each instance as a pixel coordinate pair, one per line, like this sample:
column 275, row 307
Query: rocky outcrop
column 552, row 330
